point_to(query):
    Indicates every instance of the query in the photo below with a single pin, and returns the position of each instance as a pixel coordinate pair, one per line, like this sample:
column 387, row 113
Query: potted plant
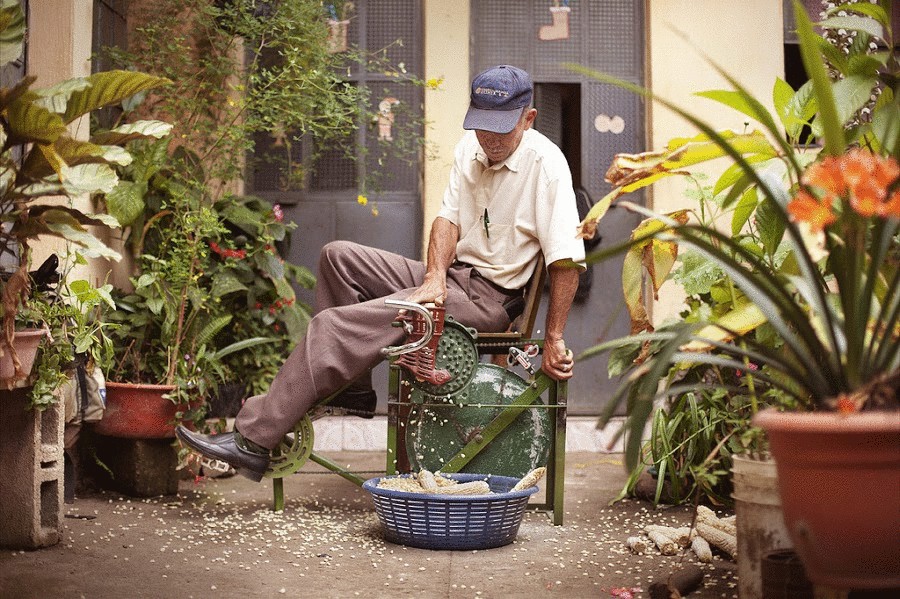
column 41, row 160
column 833, row 299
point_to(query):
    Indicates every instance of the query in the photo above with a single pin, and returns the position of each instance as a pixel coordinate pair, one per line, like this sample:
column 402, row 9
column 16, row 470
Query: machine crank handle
column 396, row 350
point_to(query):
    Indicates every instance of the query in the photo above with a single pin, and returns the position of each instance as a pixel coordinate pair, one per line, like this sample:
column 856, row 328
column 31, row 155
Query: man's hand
column 433, row 289
column 558, row 361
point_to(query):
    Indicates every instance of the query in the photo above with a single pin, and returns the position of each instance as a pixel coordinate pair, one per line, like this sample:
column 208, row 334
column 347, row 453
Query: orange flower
column 891, row 207
column 806, row 207
column 826, row 175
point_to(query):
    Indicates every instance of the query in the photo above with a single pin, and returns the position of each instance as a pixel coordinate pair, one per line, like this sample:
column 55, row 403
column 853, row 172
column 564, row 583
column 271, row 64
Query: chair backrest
column 523, row 326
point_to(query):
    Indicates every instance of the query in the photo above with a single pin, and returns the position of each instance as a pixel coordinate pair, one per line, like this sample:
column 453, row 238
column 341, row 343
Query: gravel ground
column 219, row 538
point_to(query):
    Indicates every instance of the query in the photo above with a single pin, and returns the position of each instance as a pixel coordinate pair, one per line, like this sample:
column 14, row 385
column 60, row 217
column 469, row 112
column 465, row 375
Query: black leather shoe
column 355, row 403
column 228, row 447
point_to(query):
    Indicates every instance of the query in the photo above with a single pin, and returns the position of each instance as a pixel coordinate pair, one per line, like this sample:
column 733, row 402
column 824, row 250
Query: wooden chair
column 497, row 345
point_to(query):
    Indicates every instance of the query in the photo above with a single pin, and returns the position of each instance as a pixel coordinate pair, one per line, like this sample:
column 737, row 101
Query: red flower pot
column 839, row 480
column 136, row 411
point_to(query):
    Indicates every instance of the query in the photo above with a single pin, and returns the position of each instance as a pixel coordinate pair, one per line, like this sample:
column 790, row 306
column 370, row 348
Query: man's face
column 498, row 146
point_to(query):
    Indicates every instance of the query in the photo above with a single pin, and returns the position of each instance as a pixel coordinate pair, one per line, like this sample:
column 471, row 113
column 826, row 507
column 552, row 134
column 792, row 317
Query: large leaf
column 66, row 223
column 854, row 23
column 739, row 320
column 738, row 101
column 12, row 31
column 886, row 128
column 31, row 123
column 851, row 94
column 653, row 256
column 89, row 178
column 109, row 88
column 225, row 283
column 125, row 201
column 872, row 10
column 56, row 97
column 133, row 131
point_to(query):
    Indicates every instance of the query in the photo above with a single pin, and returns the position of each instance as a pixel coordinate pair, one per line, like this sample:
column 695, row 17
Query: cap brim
column 495, row 121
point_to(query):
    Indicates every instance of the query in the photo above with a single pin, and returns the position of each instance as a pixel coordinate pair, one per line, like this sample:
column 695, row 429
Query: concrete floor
column 219, row 538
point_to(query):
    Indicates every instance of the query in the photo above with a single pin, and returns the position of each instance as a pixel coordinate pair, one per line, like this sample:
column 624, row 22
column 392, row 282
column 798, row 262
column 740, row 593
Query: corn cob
column 637, row 544
column 530, row 479
column 427, row 480
column 475, row 487
column 708, row 517
column 682, row 535
column 666, row 545
column 718, row 538
column 701, row 549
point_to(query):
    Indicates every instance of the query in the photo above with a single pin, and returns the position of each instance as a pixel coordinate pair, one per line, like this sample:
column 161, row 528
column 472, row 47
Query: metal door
column 590, row 121
column 324, row 204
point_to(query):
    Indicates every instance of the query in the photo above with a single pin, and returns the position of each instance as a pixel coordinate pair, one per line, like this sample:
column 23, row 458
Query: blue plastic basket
column 432, row 521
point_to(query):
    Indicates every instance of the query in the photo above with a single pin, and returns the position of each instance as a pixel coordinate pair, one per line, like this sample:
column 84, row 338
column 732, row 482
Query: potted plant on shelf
column 41, row 163
column 831, row 299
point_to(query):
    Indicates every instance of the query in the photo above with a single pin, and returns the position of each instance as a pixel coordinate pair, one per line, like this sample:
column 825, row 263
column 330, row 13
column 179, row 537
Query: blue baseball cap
column 499, row 95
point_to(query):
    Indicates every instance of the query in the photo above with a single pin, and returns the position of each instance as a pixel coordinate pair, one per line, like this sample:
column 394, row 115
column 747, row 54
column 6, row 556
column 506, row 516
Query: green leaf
column 855, row 23
column 771, row 225
column 851, row 94
column 744, row 209
column 109, row 88
column 872, row 10
column 55, row 97
column 739, row 101
column 89, row 178
column 29, row 122
column 12, row 32
column 244, row 344
column 126, row 201
column 133, row 131
column 832, row 126
column 782, row 94
column 886, row 127
column 225, row 283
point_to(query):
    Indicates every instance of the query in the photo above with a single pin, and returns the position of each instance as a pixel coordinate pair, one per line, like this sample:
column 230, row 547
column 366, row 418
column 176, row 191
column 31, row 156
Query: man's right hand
column 433, row 289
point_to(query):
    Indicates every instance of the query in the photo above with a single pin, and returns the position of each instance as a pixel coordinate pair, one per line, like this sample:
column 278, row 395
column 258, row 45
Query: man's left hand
column 558, row 362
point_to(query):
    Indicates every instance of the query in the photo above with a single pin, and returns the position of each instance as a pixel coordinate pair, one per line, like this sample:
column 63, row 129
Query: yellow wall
column 744, row 38
column 59, row 48
column 447, row 57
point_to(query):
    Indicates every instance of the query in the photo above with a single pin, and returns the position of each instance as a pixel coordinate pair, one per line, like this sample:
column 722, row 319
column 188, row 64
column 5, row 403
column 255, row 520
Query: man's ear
column 530, row 115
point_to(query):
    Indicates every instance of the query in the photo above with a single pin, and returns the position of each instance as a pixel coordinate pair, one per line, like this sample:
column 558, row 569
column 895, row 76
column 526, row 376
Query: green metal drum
column 446, row 418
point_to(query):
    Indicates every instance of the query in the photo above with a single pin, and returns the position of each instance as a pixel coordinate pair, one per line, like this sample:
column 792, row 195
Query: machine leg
column 559, row 450
column 277, row 494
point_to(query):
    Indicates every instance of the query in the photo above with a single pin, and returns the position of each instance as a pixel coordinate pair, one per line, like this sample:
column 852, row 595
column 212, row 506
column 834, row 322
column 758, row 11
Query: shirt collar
column 513, row 162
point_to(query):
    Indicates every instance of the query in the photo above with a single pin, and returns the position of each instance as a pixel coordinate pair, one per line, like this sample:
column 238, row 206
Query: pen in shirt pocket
column 487, row 223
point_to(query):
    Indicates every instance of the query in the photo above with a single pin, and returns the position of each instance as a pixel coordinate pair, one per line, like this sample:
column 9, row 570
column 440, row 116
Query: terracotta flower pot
column 135, row 411
column 839, row 480
column 26, row 345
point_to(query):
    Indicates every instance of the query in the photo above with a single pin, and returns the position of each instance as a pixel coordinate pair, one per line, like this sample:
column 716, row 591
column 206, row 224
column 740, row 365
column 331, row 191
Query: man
column 510, row 199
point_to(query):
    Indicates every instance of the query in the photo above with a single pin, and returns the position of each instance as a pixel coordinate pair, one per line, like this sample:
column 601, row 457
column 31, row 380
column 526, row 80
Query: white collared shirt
column 510, row 212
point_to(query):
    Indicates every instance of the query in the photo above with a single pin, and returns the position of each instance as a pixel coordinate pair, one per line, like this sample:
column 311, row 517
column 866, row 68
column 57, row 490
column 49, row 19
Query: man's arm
column 441, row 252
column 558, row 361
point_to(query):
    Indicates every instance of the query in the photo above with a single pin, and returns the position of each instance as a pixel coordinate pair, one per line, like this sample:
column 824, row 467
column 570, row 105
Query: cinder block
column 31, row 473
column 138, row 467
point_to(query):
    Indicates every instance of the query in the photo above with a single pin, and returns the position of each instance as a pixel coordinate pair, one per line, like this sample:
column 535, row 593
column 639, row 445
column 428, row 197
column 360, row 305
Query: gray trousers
column 351, row 326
